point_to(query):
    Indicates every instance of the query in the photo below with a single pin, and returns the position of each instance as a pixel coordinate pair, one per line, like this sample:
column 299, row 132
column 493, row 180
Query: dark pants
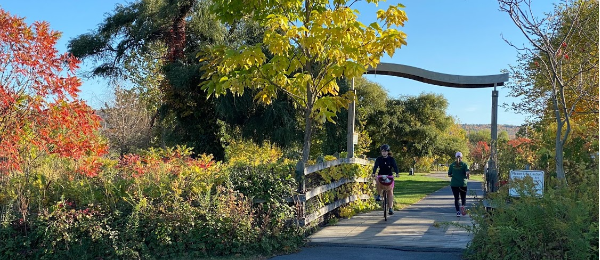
column 462, row 191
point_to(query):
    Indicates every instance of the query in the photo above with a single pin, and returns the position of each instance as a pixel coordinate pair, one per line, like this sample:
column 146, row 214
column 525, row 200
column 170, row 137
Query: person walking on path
column 386, row 163
column 459, row 172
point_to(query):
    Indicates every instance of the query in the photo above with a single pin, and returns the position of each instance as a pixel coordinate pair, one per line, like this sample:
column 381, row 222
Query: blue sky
column 460, row 37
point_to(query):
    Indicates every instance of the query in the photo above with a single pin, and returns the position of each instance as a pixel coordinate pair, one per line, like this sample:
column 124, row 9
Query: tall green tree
column 416, row 128
column 154, row 43
column 385, row 126
column 278, row 122
column 427, row 121
column 483, row 135
column 312, row 44
column 332, row 135
column 136, row 27
column 557, row 71
column 427, row 114
column 453, row 139
column 371, row 99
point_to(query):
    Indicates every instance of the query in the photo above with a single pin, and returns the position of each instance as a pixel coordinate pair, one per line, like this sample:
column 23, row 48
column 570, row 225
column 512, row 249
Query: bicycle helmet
column 385, row 147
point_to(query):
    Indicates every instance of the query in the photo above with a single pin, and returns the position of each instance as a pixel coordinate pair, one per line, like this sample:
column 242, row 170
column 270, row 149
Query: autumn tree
column 515, row 154
column 126, row 121
column 480, row 154
column 557, row 74
column 579, row 153
column 307, row 45
column 40, row 111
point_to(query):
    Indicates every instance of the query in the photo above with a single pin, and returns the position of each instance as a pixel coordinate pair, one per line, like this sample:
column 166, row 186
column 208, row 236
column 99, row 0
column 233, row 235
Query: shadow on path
column 410, row 229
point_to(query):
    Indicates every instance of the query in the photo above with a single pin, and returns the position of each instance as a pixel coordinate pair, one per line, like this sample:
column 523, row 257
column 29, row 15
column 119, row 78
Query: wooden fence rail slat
column 318, row 190
column 304, row 195
column 331, row 206
column 327, row 187
column 320, row 166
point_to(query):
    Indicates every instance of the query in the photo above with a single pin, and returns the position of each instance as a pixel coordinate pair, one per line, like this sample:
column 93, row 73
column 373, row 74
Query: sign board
column 355, row 138
column 537, row 176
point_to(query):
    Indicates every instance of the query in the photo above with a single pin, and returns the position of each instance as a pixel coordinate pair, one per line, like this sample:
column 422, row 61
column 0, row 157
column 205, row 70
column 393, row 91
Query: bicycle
column 386, row 185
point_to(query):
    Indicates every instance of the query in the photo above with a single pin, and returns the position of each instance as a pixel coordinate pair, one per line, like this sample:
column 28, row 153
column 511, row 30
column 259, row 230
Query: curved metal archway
column 445, row 80
column 440, row 79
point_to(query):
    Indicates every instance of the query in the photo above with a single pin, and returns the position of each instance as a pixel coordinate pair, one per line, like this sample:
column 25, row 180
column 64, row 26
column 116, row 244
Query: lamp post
column 492, row 173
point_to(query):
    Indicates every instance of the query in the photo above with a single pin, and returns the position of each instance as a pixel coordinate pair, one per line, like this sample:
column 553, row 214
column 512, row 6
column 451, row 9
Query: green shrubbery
column 563, row 224
column 160, row 204
column 163, row 204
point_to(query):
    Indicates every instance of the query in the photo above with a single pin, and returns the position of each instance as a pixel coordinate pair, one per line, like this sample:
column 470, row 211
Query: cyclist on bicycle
column 386, row 163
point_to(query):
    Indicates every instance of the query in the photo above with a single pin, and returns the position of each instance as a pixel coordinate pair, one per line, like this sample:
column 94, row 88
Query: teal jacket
column 458, row 172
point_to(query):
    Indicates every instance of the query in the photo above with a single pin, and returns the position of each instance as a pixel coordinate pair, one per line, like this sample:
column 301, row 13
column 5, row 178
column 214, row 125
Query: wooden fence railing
column 303, row 194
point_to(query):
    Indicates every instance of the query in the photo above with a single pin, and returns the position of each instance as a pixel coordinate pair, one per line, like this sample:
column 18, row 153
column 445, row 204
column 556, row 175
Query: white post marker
column 538, row 180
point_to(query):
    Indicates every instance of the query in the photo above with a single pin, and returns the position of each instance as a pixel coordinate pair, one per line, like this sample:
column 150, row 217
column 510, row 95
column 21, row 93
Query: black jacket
column 385, row 165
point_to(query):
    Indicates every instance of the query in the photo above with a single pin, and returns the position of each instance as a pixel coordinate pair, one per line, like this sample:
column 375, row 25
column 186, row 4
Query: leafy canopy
column 557, row 77
column 39, row 108
column 306, row 46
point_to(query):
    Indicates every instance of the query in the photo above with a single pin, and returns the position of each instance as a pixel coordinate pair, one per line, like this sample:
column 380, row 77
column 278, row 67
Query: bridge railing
column 303, row 174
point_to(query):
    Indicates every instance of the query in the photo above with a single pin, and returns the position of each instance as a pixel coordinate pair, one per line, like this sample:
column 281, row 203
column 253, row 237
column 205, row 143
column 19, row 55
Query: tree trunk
column 177, row 40
column 560, row 169
column 308, row 126
column 558, row 157
column 308, row 67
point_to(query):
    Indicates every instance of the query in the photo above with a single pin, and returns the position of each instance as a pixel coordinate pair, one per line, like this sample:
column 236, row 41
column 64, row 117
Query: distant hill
column 510, row 129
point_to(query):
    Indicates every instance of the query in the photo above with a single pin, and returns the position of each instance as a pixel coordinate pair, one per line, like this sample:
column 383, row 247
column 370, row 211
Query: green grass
column 411, row 189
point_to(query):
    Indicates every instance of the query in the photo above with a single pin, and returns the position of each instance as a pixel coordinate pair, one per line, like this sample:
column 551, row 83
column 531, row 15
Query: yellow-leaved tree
column 307, row 45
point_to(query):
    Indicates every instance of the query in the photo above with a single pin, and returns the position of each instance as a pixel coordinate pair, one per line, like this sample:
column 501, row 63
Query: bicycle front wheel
column 385, row 205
